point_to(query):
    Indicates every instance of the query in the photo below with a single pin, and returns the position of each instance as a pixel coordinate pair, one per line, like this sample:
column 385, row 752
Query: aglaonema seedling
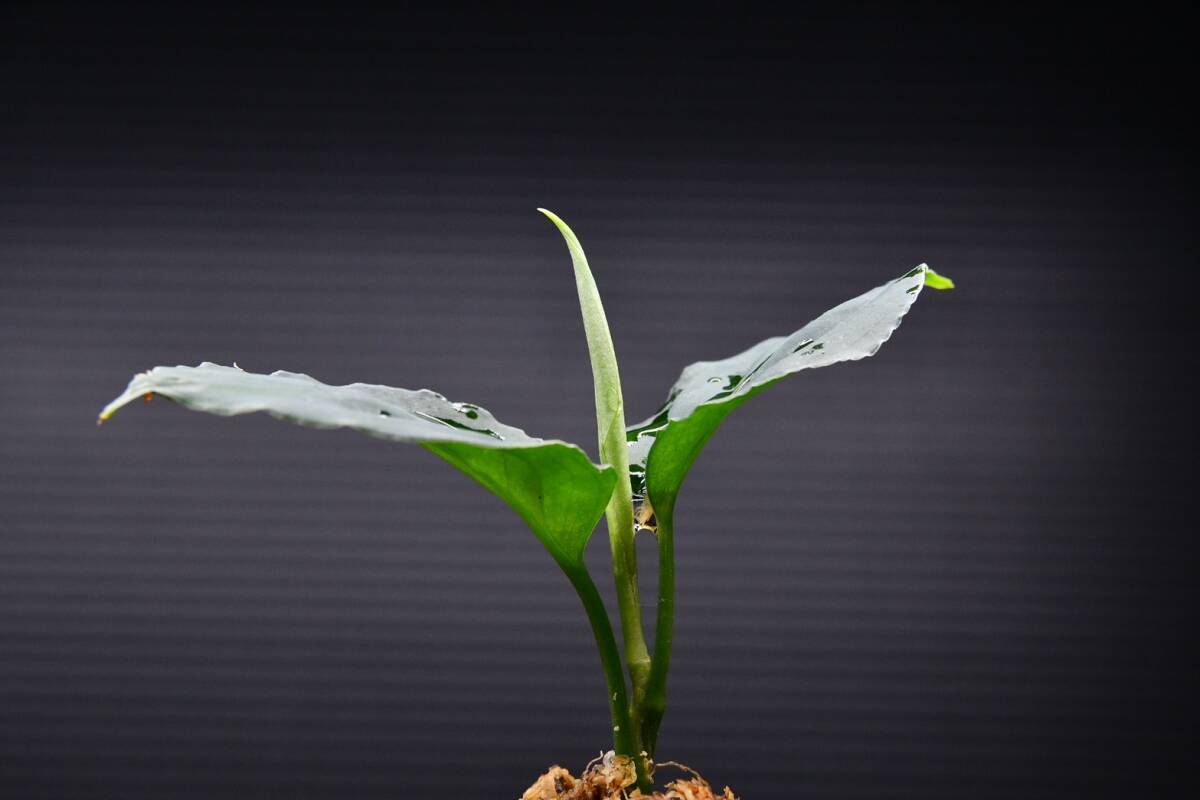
column 553, row 485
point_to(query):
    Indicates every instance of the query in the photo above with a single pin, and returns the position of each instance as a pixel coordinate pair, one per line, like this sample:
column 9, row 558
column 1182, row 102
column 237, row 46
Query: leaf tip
column 935, row 281
column 112, row 408
column 556, row 219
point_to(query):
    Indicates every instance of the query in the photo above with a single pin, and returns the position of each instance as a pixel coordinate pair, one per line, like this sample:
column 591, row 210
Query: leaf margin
column 556, row 520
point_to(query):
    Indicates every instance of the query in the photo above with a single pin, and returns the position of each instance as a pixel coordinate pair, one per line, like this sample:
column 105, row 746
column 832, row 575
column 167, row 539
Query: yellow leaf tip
column 935, row 281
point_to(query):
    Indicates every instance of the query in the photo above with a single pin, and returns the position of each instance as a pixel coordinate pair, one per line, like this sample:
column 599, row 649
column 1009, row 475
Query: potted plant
column 560, row 493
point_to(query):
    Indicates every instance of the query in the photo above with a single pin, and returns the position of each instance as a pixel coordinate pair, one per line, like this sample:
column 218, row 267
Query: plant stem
column 653, row 704
column 626, row 736
column 624, row 555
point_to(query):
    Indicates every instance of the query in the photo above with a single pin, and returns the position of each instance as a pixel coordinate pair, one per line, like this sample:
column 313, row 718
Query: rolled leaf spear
column 553, row 485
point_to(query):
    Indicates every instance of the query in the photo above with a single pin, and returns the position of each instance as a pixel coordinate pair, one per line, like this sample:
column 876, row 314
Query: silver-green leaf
column 551, row 484
column 663, row 448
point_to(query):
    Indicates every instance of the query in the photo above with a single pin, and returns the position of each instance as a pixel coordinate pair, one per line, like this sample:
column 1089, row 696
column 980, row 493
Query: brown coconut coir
column 612, row 777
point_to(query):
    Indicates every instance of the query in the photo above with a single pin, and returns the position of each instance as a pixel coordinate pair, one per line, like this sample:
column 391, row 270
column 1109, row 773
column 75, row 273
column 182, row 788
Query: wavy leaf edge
column 559, row 494
column 730, row 381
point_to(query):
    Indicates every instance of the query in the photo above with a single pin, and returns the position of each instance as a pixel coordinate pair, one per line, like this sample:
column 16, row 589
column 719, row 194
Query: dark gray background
column 959, row 569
